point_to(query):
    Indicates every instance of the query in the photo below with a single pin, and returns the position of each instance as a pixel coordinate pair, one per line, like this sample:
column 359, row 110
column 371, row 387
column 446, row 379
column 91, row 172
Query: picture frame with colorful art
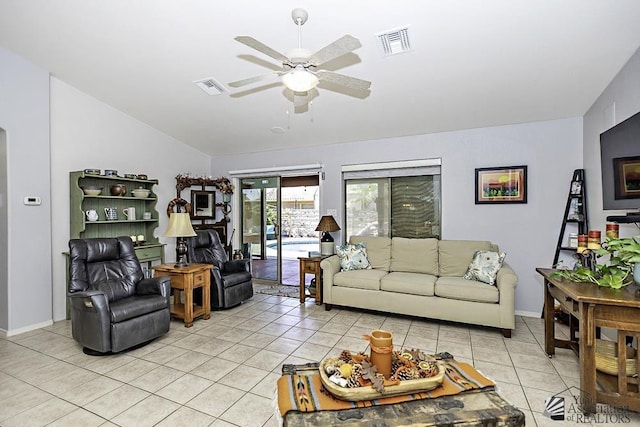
column 505, row 184
column 626, row 177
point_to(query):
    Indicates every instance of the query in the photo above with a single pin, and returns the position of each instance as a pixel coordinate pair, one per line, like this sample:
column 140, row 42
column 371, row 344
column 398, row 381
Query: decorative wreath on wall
column 182, row 204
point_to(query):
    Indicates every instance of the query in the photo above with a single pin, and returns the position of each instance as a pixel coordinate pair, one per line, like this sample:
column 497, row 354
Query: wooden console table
column 595, row 306
column 186, row 279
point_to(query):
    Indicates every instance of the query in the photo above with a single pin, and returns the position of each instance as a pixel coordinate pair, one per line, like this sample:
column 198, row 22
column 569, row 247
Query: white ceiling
column 474, row 64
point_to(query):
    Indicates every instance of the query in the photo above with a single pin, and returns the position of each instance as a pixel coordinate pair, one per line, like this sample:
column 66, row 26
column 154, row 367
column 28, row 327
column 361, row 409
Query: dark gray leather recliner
column 230, row 279
column 113, row 307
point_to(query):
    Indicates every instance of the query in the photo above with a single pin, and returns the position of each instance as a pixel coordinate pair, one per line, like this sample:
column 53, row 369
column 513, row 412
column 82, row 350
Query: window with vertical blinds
column 394, row 199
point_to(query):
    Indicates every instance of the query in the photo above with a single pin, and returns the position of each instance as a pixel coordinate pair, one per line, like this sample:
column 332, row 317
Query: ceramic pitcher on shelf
column 92, row 215
column 111, row 213
column 130, row 213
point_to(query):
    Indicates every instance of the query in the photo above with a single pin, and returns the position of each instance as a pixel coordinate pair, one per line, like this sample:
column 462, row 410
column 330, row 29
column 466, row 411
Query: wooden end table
column 311, row 265
column 186, row 279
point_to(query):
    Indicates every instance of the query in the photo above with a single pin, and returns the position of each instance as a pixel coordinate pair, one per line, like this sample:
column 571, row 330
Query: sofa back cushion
column 454, row 256
column 378, row 250
column 414, row 255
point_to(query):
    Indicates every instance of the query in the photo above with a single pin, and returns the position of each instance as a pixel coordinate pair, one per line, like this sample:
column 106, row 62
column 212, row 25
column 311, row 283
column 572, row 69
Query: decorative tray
column 391, row 388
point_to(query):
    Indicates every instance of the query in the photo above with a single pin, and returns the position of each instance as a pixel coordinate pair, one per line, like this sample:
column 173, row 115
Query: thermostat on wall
column 32, row 200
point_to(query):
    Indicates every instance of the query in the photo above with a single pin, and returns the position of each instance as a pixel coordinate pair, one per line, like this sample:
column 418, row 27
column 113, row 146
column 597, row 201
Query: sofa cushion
column 361, row 279
column 408, row 283
column 378, row 250
column 353, row 257
column 484, row 266
column 454, row 256
column 414, row 255
column 467, row 290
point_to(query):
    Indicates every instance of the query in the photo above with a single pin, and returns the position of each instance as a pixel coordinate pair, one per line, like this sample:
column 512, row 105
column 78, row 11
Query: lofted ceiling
column 473, row 64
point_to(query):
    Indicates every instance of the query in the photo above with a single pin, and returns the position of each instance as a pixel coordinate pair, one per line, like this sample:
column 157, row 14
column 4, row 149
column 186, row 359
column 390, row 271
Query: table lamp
column 327, row 224
column 180, row 227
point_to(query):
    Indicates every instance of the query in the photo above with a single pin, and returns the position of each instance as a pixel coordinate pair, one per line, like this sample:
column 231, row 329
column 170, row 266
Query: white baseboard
column 14, row 332
column 528, row 313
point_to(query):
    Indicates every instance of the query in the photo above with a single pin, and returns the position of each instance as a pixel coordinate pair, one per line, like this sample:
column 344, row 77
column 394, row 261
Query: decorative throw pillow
column 353, row 257
column 484, row 266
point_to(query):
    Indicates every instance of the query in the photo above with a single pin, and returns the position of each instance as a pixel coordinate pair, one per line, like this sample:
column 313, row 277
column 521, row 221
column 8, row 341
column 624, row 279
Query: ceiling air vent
column 394, row 41
column 211, row 86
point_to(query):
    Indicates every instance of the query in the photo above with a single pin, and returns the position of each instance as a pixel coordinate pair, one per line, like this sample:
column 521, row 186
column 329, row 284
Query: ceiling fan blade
column 342, row 80
column 250, row 80
column 261, row 47
column 343, row 45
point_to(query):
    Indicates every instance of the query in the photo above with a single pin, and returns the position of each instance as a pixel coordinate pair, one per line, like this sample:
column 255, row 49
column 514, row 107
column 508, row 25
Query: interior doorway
column 279, row 216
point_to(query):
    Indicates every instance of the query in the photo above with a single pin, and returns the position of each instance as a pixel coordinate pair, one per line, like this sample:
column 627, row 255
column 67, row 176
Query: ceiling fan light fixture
column 300, row 80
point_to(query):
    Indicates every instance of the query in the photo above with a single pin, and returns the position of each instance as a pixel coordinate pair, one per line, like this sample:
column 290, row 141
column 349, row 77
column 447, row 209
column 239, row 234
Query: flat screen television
column 620, row 156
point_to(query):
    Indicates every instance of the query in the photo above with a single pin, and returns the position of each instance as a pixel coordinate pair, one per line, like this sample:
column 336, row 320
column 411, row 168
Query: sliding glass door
column 279, row 216
column 261, row 225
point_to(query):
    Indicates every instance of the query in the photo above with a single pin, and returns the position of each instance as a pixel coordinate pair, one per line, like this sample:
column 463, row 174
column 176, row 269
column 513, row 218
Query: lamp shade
column 179, row 225
column 300, row 80
column 327, row 223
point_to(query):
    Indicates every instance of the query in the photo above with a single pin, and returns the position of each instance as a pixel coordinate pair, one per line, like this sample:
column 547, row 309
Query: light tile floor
column 222, row 371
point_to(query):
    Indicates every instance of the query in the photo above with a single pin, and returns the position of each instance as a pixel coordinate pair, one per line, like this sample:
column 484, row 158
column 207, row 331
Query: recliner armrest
column 90, row 299
column 237, row 266
column 154, row 286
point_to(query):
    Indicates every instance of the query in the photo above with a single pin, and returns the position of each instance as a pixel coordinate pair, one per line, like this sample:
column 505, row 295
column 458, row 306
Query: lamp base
column 181, row 253
column 327, row 248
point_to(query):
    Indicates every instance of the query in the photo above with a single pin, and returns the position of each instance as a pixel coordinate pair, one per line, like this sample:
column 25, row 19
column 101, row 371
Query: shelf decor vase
column 636, row 273
column 381, row 343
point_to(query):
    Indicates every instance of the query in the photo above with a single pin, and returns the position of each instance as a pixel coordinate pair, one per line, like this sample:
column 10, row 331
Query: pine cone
column 345, row 355
column 357, row 370
column 404, row 375
column 352, row 382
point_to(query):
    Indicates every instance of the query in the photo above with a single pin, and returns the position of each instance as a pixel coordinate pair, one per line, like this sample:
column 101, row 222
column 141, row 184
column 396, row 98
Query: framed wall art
column 203, row 204
column 507, row 184
column 626, row 175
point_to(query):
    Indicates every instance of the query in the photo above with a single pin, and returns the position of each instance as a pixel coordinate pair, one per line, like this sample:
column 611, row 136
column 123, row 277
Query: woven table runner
column 305, row 393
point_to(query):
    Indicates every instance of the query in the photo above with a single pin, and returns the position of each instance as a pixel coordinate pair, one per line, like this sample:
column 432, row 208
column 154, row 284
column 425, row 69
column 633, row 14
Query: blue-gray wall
column 526, row 232
column 24, row 116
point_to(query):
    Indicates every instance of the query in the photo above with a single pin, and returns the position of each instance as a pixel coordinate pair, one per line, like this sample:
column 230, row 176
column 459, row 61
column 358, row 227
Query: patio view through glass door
column 279, row 217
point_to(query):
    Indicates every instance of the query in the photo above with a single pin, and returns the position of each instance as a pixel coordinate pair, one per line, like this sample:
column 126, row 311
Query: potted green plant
column 622, row 268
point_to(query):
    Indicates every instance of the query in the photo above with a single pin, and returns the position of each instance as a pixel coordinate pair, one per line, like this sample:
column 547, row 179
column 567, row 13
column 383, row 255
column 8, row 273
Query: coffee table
column 473, row 408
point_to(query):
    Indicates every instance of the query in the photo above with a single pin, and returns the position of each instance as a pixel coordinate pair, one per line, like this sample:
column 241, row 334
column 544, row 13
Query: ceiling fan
column 300, row 68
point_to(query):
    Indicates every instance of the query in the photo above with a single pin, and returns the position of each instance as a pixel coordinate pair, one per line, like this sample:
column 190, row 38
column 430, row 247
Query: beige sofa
column 422, row 277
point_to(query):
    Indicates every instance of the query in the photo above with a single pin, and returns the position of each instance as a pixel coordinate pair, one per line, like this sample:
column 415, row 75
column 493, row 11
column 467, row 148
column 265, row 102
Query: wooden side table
column 186, row 279
column 311, row 266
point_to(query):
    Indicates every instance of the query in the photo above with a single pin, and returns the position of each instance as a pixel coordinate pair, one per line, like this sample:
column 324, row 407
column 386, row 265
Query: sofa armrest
column 330, row 266
column 506, row 282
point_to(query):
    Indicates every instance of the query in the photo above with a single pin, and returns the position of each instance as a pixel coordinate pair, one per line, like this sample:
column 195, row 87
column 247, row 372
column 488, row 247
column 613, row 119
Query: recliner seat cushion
column 234, row 279
column 467, row 290
column 135, row 306
column 409, row 283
